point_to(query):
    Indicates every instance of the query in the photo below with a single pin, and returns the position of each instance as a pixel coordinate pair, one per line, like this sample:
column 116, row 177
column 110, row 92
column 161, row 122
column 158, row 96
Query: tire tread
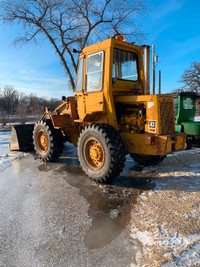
column 55, row 138
column 116, row 149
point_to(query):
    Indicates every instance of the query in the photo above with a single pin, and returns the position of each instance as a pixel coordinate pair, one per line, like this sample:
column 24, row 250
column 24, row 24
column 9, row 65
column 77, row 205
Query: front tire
column 101, row 152
column 147, row 160
column 48, row 142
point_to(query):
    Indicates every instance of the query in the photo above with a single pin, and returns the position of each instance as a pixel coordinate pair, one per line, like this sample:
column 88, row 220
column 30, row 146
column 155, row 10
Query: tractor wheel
column 48, row 142
column 101, row 152
column 188, row 144
column 147, row 160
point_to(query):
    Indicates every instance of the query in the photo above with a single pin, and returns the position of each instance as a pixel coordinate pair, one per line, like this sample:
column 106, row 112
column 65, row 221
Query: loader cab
column 109, row 68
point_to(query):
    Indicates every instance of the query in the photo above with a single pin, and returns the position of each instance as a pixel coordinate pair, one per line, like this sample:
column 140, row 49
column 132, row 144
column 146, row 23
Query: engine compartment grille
column 167, row 116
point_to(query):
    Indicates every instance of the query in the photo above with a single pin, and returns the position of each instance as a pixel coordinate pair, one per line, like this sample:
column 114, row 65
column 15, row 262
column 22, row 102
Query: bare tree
column 22, row 107
column 71, row 24
column 35, row 107
column 191, row 78
column 10, row 100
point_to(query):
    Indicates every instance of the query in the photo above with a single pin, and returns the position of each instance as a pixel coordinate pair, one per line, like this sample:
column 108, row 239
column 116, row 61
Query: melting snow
column 6, row 156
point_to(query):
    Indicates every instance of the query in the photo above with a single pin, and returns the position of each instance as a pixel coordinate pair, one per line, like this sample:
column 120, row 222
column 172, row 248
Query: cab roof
column 108, row 43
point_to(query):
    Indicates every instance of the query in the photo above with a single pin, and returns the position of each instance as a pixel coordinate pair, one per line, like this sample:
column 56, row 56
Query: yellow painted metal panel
column 164, row 144
column 81, row 105
column 94, row 102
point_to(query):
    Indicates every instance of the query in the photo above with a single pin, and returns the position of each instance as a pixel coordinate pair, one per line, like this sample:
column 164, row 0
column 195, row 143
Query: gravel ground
column 165, row 223
column 53, row 215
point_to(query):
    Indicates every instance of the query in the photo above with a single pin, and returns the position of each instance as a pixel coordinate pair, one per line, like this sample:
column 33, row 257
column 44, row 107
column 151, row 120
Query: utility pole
column 153, row 69
column 159, row 82
column 155, row 61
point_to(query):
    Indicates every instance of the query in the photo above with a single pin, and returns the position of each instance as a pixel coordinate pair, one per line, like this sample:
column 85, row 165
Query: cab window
column 188, row 103
column 94, row 71
column 125, row 65
column 175, row 105
column 79, row 79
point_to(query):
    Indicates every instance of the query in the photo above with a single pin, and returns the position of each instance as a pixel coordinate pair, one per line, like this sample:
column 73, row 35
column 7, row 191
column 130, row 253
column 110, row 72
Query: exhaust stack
column 147, row 69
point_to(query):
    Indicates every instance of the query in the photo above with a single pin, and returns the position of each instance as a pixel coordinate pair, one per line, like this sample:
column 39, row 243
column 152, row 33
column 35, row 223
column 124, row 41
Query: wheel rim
column 42, row 141
column 94, row 153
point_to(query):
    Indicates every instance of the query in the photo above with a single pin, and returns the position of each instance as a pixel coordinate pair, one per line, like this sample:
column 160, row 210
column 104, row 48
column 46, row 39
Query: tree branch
column 71, row 22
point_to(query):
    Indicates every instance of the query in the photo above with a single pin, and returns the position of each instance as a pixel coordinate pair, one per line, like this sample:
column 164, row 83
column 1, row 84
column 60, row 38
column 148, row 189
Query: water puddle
column 110, row 204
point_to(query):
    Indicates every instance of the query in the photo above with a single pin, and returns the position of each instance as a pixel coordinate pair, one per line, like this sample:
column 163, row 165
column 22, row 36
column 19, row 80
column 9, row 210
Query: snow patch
column 144, row 237
column 197, row 118
column 6, row 156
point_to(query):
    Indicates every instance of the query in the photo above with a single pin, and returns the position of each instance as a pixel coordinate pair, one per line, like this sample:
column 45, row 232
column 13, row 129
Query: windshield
column 125, row 65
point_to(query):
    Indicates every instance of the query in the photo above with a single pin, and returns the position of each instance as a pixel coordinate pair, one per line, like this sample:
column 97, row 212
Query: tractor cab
column 185, row 110
column 185, row 106
column 107, row 69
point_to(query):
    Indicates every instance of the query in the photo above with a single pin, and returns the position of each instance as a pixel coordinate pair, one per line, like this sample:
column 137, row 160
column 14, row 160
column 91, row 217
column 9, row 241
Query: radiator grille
column 167, row 117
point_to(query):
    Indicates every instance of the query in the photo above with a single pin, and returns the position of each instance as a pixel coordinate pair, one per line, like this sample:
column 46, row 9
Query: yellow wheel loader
column 111, row 113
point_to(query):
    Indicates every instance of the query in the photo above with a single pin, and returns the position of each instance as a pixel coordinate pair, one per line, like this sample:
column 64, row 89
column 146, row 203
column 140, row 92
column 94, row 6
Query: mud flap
column 22, row 137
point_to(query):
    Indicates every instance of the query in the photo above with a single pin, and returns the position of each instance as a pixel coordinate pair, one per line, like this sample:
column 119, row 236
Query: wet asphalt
column 53, row 215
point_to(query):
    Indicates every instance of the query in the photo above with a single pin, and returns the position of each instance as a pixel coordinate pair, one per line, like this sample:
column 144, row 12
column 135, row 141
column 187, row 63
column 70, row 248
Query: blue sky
column 172, row 25
column 174, row 28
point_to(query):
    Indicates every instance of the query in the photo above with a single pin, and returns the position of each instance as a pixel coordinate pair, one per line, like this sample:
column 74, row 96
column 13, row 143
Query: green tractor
column 185, row 110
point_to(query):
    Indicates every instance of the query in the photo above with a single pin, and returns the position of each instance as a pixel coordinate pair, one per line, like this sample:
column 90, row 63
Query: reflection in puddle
column 110, row 205
column 102, row 231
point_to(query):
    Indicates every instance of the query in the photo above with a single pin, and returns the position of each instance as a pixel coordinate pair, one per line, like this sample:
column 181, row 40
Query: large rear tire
column 147, row 160
column 48, row 142
column 101, row 152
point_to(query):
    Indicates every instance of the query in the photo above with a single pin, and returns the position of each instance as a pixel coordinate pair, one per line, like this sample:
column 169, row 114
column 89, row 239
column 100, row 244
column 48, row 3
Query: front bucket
column 21, row 137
